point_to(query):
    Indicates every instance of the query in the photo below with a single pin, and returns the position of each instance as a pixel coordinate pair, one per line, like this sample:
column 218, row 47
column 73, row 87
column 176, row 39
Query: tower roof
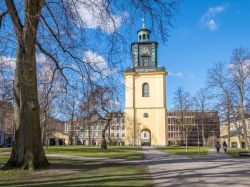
column 144, row 33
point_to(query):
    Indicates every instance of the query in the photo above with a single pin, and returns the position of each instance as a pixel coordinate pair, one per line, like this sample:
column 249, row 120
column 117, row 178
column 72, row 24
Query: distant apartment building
column 91, row 134
column 236, row 133
column 193, row 125
column 6, row 125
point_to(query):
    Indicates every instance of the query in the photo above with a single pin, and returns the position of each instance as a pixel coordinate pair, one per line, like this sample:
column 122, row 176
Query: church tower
column 145, row 95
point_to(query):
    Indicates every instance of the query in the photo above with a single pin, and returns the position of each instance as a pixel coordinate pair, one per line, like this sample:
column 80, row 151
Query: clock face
column 145, row 115
column 145, row 51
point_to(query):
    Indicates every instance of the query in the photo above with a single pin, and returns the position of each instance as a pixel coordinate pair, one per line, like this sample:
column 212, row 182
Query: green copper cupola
column 144, row 33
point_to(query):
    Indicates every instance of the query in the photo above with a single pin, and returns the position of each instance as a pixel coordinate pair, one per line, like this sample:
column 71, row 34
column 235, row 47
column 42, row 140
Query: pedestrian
column 217, row 146
column 225, row 147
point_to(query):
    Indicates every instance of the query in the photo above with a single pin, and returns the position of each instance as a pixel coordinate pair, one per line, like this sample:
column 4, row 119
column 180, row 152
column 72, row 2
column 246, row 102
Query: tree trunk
column 44, row 127
column 104, row 142
column 228, row 128
column 109, row 137
column 186, row 143
column 71, row 135
column 27, row 150
column 89, row 137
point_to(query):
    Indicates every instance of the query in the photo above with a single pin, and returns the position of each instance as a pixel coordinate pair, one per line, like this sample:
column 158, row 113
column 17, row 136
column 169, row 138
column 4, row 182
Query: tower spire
column 143, row 22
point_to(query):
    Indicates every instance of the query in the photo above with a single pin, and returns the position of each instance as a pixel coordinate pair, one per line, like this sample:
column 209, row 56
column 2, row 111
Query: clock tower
column 145, row 94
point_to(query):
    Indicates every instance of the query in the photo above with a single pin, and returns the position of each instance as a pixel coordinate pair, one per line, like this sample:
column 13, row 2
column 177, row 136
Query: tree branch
column 18, row 26
column 1, row 17
column 53, row 59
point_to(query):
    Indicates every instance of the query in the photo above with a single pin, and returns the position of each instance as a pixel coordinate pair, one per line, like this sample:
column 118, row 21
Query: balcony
column 146, row 69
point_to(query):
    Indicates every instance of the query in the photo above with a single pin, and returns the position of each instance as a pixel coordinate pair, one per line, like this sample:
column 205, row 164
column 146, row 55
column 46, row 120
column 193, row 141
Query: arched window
column 145, row 90
column 144, row 36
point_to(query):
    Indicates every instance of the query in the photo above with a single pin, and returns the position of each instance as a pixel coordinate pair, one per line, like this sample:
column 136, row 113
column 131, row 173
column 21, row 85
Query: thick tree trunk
column 27, row 151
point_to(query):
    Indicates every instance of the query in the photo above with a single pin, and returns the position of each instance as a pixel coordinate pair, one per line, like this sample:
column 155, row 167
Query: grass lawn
column 77, row 173
column 181, row 150
column 6, row 149
column 126, row 152
column 235, row 152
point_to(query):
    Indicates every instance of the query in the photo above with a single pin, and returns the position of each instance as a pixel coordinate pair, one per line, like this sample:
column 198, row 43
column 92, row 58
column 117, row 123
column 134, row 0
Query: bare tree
column 201, row 100
column 61, row 30
column 108, row 107
column 70, row 108
column 98, row 108
column 239, row 74
column 49, row 89
column 6, row 80
column 183, row 106
column 219, row 83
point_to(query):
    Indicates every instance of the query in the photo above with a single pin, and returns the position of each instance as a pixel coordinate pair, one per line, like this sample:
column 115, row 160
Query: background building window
column 145, row 90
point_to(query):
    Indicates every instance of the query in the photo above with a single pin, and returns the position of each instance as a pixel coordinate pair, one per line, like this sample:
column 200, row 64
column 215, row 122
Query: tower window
column 139, row 37
column 144, row 36
column 145, row 90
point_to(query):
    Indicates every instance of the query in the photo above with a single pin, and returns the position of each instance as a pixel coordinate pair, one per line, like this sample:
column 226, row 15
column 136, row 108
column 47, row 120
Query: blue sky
column 205, row 32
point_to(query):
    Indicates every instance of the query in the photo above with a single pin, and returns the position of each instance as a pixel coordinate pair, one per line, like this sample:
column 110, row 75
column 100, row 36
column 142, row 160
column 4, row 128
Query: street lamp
column 213, row 138
column 198, row 139
column 138, row 134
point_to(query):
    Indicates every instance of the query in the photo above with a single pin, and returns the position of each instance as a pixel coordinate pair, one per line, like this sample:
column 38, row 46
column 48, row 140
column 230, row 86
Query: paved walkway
column 215, row 170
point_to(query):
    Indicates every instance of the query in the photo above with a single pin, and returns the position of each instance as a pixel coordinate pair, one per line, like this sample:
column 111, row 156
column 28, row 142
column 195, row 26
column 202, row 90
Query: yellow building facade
column 145, row 95
column 237, row 139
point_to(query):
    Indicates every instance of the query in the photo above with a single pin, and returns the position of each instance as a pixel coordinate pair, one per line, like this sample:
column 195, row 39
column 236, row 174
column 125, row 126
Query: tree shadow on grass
column 83, row 173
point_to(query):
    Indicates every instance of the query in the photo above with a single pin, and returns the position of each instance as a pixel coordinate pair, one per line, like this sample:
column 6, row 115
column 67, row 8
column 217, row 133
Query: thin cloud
column 96, row 16
column 208, row 20
column 175, row 74
column 98, row 63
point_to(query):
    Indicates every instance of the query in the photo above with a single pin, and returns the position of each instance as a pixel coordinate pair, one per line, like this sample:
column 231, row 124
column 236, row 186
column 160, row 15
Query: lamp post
column 198, row 139
column 213, row 138
column 138, row 134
